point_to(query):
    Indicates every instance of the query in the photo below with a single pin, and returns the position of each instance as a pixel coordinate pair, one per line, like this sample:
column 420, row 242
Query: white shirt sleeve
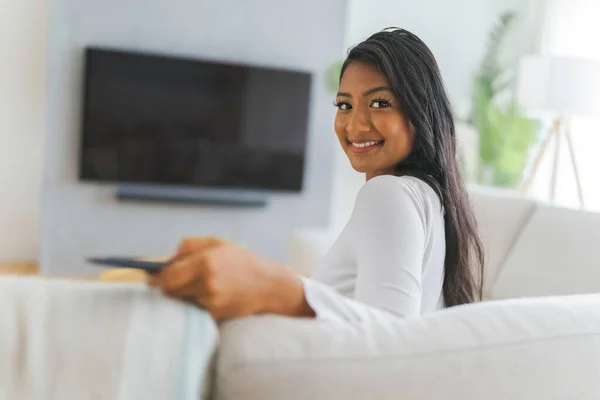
column 387, row 232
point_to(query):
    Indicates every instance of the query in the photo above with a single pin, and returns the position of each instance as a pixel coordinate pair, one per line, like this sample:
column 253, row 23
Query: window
column 571, row 28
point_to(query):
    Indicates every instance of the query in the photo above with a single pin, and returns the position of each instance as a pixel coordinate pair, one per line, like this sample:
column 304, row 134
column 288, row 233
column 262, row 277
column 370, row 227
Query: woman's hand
column 229, row 281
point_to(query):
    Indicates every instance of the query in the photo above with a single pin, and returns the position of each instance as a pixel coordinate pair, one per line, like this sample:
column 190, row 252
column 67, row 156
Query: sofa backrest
column 557, row 253
column 532, row 248
column 502, row 216
column 535, row 249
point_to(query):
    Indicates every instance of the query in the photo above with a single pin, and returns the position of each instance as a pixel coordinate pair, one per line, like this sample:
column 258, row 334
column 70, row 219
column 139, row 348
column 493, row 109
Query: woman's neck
column 372, row 174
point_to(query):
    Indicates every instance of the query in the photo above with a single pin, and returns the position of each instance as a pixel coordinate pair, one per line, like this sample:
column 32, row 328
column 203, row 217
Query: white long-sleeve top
column 389, row 259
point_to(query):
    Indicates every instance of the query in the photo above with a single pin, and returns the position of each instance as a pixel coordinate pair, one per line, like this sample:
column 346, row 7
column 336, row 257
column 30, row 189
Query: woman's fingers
column 185, row 282
column 153, row 280
column 198, row 274
column 178, row 274
column 195, row 245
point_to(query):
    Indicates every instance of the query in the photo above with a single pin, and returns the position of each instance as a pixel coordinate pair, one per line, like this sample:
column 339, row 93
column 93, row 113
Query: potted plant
column 505, row 135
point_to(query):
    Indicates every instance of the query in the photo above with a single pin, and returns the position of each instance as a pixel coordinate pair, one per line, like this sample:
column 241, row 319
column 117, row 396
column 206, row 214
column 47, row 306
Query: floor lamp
column 559, row 88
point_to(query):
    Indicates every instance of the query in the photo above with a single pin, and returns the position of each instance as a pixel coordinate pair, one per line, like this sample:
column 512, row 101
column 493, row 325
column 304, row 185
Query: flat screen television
column 157, row 119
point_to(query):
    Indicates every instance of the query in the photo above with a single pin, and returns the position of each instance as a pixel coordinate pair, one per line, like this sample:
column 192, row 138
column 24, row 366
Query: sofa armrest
column 543, row 348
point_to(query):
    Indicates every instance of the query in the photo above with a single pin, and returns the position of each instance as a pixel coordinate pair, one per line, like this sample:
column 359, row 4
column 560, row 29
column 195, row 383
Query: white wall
column 457, row 33
column 80, row 220
column 22, row 69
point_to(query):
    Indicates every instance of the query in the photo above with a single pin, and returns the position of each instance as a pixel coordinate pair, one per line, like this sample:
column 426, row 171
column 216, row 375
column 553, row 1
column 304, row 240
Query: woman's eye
column 380, row 103
column 342, row 105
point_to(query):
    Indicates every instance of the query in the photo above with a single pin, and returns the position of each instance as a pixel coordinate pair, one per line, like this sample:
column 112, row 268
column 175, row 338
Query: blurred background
column 78, row 95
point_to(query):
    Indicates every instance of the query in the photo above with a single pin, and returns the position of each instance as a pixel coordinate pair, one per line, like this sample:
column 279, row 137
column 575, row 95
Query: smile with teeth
column 366, row 144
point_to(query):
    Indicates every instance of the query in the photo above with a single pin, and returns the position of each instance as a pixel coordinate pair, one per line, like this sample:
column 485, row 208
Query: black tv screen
column 156, row 119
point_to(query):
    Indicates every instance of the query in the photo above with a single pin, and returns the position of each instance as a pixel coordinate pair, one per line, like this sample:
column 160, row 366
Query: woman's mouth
column 362, row 147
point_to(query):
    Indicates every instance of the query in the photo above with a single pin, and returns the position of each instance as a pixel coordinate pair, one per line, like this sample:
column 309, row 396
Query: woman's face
column 370, row 123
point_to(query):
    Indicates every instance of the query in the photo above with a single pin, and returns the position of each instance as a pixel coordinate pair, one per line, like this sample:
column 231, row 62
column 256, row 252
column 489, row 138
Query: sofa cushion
column 494, row 350
column 557, row 253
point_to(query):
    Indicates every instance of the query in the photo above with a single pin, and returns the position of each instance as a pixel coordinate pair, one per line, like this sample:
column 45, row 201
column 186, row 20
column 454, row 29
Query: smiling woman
column 370, row 123
column 411, row 245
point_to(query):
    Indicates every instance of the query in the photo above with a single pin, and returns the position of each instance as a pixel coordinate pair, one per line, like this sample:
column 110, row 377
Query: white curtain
column 571, row 28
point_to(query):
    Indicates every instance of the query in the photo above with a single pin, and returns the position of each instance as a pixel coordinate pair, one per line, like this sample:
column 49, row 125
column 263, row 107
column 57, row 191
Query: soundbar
column 195, row 196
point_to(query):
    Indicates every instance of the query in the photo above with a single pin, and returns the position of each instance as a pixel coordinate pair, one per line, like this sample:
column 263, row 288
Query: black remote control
column 124, row 262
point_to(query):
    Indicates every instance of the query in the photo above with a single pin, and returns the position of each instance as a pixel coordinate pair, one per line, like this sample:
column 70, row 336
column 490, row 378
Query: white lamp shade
column 564, row 86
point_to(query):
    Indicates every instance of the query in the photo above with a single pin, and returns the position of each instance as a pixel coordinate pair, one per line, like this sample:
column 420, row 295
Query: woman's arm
column 387, row 243
column 229, row 281
column 390, row 236
column 286, row 295
column 385, row 238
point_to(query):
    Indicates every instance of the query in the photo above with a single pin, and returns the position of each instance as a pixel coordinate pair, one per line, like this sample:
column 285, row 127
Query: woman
column 411, row 244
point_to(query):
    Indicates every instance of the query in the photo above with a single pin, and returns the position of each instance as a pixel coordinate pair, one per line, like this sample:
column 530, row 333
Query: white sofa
column 537, row 335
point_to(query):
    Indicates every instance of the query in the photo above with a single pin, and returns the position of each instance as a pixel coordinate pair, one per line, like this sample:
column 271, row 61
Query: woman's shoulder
column 390, row 189
column 392, row 201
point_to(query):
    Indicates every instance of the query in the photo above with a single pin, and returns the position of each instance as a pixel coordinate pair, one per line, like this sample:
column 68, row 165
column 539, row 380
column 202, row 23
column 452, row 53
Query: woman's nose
column 358, row 123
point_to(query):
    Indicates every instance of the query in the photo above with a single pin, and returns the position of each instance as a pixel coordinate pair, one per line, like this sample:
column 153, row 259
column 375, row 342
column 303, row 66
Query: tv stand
column 188, row 195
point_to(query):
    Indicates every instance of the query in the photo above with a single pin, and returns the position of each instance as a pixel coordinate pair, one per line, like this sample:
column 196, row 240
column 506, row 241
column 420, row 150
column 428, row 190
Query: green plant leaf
column 332, row 75
column 505, row 136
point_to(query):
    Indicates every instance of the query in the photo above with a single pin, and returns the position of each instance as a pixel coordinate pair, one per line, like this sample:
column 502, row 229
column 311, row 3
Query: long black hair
column 415, row 79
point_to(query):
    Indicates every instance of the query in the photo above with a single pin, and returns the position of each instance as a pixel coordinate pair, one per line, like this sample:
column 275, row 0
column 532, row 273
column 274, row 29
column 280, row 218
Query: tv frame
column 186, row 193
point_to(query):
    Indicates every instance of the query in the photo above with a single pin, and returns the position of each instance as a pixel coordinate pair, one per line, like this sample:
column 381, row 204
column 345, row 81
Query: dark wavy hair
column 415, row 79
